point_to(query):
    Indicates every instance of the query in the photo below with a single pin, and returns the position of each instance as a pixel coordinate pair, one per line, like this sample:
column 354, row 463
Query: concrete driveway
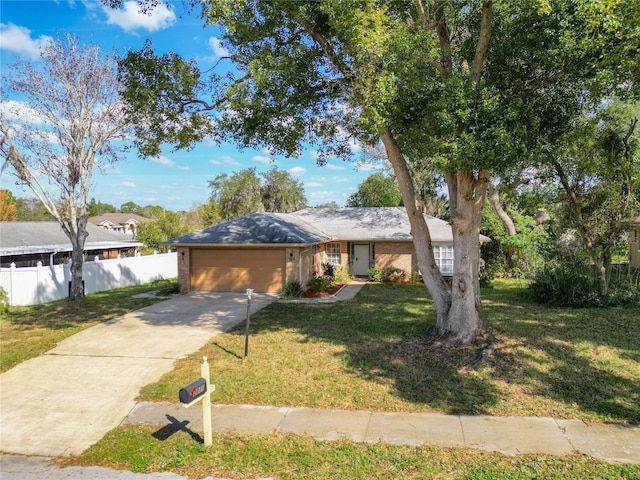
column 64, row 401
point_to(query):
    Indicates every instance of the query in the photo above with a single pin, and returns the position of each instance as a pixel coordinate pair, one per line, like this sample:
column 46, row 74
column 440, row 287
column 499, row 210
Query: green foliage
column 292, row 289
column 341, row 274
column 511, row 256
column 98, row 208
column 375, row 274
column 377, row 190
column 393, row 274
column 244, row 193
column 4, row 301
column 281, row 193
column 166, row 287
column 571, row 283
column 320, row 283
column 167, row 225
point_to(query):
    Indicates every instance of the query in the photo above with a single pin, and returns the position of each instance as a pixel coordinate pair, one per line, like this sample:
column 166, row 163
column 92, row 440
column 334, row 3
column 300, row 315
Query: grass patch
column 288, row 457
column 370, row 353
column 30, row 331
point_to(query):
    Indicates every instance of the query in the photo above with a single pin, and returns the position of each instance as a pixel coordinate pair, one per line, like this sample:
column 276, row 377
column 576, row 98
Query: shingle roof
column 21, row 238
column 256, row 229
column 316, row 225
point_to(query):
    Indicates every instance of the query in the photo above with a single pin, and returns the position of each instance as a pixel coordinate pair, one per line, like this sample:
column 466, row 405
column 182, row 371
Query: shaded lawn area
column 371, row 353
column 27, row 332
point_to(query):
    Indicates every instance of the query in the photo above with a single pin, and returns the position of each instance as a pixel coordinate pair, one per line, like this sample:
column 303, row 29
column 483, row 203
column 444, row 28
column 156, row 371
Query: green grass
column 142, row 449
column 370, row 353
column 27, row 332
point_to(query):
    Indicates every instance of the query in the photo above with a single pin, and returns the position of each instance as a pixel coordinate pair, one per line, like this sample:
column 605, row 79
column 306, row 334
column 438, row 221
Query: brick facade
column 396, row 254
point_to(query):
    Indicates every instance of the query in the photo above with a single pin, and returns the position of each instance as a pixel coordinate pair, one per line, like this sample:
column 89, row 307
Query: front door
column 361, row 260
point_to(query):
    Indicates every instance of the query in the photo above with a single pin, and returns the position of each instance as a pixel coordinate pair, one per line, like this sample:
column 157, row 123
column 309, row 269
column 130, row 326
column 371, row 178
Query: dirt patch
column 333, row 289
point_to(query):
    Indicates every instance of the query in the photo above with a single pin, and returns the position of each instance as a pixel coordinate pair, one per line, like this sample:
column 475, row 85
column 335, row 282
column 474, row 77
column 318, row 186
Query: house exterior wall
column 396, row 254
column 184, row 269
column 634, row 247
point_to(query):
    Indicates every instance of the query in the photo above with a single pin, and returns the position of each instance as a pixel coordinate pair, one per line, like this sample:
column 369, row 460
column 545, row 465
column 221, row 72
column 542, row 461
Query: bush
column 393, row 274
column 319, row 283
column 415, row 276
column 293, row 289
column 574, row 285
column 4, row 301
column 375, row 274
column 328, row 270
column 341, row 274
column 166, row 287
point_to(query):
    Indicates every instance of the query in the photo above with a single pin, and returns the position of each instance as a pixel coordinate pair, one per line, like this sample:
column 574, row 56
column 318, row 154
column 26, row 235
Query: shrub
column 375, row 274
column 319, row 283
column 293, row 289
column 328, row 270
column 166, row 287
column 393, row 274
column 415, row 276
column 4, row 301
column 575, row 285
column 340, row 274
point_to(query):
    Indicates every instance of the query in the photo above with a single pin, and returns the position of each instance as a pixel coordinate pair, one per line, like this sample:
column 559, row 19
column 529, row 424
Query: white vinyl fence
column 35, row 285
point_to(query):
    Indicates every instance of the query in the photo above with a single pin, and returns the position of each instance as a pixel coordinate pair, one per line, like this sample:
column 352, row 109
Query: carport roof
column 316, row 225
column 23, row 238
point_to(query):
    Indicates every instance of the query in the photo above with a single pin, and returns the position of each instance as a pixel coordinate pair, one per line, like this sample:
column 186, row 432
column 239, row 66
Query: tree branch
column 483, row 40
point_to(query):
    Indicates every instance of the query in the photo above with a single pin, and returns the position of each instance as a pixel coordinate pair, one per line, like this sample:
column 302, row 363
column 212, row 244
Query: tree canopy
column 466, row 88
column 377, row 190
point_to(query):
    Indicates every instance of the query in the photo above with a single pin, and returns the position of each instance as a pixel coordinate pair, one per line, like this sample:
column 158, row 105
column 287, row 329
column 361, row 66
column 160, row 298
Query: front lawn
column 370, row 353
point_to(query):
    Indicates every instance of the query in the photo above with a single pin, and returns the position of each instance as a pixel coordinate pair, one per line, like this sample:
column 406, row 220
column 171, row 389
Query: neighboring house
column 27, row 243
column 265, row 251
column 634, row 243
column 119, row 222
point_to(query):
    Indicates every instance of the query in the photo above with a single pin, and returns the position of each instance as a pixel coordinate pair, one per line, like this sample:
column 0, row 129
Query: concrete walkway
column 507, row 435
column 64, row 401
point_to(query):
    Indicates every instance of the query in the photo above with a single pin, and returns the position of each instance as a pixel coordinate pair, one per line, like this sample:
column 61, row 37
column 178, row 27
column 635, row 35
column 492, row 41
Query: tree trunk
column 431, row 275
column 465, row 322
column 494, row 200
column 77, row 232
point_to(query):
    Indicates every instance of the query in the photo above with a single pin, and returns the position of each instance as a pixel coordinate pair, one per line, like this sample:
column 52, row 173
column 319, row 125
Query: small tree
column 377, row 190
column 281, row 193
column 69, row 122
column 598, row 166
column 8, row 210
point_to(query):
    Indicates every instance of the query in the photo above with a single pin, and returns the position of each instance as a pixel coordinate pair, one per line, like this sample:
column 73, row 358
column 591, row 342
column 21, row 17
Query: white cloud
column 225, row 160
column 19, row 111
column 18, row 39
column 297, row 171
column 335, row 168
column 367, row 167
column 314, row 184
column 164, row 161
column 128, row 184
column 216, row 47
column 131, row 18
column 183, row 167
column 263, row 159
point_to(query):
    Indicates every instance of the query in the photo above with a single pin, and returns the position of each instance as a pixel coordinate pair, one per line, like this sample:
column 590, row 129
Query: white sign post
column 195, row 391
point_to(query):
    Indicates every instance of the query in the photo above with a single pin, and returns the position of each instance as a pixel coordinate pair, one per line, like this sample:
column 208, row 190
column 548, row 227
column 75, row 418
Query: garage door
column 236, row 270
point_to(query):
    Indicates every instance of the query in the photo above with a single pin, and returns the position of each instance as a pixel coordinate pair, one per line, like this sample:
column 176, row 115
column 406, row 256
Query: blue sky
column 176, row 180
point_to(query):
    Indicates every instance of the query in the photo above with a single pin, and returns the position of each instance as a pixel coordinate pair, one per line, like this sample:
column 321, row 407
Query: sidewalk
column 507, row 435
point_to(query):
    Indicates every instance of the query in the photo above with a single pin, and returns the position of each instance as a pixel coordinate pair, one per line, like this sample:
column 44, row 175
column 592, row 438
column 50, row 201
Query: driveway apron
column 64, row 401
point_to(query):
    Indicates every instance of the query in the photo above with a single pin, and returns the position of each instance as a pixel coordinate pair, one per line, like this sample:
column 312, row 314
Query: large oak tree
column 465, row 87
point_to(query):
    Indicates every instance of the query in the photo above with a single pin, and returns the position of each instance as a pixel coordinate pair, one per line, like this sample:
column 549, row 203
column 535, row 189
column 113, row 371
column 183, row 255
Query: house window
column 333, row 253
column 444, row 259
column 314, row 251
